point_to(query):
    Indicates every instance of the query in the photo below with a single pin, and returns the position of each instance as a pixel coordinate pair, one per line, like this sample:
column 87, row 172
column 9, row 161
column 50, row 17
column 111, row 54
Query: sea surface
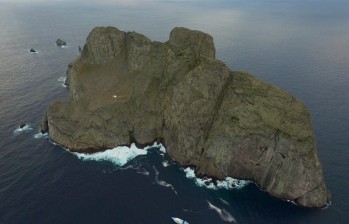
column 300, row 46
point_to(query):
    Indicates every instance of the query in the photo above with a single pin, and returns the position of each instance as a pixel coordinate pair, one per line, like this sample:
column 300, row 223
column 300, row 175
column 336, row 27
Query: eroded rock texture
column 125, row 87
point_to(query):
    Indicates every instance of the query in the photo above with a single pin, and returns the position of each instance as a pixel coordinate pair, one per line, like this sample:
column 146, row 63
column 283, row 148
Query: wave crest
column 228, row 183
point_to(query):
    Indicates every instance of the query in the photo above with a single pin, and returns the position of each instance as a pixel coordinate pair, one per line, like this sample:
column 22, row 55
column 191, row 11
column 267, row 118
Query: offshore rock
column 126, row 88
column 60, row 43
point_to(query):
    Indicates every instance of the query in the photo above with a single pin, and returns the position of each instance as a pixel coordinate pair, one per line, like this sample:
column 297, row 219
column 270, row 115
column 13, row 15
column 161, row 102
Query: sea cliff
column 126, row 88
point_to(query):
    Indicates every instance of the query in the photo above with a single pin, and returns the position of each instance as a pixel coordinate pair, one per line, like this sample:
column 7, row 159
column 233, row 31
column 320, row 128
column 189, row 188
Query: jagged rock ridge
column 125, row 88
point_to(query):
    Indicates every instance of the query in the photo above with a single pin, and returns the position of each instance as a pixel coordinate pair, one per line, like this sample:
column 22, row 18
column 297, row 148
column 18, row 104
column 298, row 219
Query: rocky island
column 125, row 88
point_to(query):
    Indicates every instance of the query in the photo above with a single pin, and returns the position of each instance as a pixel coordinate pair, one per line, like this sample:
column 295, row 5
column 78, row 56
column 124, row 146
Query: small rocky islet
column 61, row 43
column 125, row 88
column 32, row 50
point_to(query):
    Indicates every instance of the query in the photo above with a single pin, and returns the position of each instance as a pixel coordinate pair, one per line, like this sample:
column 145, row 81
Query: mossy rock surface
column 125, row 88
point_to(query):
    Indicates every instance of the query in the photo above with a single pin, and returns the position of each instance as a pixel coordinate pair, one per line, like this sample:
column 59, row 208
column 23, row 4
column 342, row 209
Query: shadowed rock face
column 126, row 88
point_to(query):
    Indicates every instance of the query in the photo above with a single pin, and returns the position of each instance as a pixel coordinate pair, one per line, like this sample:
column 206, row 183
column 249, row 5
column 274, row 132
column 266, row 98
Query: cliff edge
column 126, row 88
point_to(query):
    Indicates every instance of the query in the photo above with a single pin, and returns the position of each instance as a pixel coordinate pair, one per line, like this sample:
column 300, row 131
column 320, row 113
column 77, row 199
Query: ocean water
column 301, row 46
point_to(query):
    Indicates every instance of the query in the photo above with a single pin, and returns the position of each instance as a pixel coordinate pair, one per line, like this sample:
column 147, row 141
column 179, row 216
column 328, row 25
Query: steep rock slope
column 126, row 88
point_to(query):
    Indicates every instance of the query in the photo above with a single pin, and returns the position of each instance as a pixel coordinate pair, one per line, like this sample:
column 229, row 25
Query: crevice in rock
column 217, row 107
column 282, row 155
column 277, row 137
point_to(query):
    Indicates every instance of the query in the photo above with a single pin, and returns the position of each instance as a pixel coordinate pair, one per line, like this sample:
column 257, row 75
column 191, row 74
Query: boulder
column 60, row 43
column 126, row 88
column 44, row 125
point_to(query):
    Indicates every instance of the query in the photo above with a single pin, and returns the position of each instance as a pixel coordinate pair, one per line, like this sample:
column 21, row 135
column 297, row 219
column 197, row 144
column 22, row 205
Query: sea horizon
column 301, row 47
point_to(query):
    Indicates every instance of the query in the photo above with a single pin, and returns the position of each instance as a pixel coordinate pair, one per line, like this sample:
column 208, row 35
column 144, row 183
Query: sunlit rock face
column 126, row 88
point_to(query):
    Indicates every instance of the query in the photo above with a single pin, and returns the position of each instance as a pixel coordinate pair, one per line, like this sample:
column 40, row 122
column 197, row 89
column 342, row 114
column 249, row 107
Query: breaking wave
column 41, row 135
column 119, row 155
column 165, row 163
column 24, row 129
column 228, row 183
column 161, row 148
column 61, row 81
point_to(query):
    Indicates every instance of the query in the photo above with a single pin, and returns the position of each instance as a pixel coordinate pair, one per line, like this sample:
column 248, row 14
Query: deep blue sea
column 300, row 46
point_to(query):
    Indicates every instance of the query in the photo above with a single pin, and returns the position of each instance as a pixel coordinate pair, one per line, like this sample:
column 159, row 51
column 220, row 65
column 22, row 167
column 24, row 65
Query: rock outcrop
column 126, row 88
column 60, row 43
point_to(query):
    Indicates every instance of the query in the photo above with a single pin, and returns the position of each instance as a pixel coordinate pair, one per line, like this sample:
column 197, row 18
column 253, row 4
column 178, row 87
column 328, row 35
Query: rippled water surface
column 301, row 46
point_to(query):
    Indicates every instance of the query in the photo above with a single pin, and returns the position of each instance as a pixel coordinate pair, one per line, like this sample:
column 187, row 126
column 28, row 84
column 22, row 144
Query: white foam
column 63, row 46
column 165, row 163
column 158, row 146
column 189, row 173
column 207, row 182
column 138, row 168
column 154, row 145
column 41, row 135
column 61, row 80
column 225, row 216
column 224, row 201
column 119, row 155
column 162, row 182
column 228, row 183
column 25, row 129
column 162, row 148
column 143, row 171
column 179, row 221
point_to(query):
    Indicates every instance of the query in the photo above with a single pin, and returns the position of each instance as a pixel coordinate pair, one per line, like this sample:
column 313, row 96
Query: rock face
column 60, row 43
column 126, row 88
